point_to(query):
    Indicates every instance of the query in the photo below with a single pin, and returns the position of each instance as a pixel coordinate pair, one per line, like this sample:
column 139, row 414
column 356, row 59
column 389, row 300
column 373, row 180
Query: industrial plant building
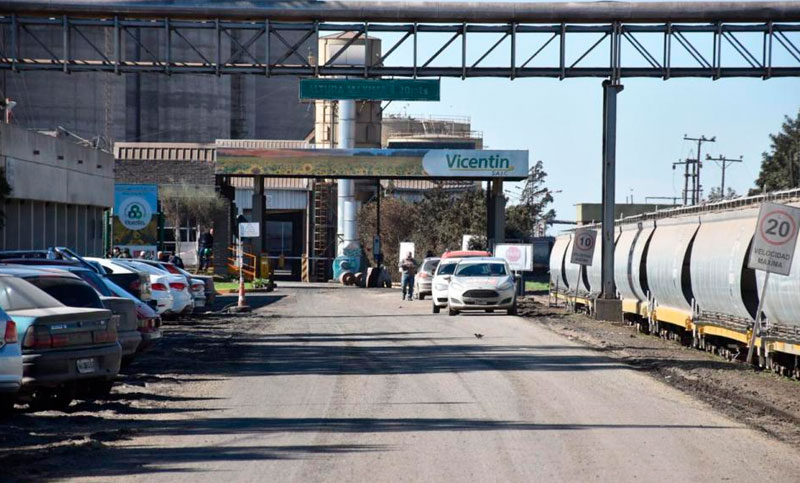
column 59, row 192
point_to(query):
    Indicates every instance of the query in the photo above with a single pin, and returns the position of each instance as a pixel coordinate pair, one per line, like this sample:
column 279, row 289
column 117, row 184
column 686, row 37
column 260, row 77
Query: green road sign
column 370, row 90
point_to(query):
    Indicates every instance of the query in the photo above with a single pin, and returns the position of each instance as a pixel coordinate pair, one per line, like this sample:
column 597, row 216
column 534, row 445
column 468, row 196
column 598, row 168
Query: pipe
column 401, row 11
column 350, row 237
column 346, row 187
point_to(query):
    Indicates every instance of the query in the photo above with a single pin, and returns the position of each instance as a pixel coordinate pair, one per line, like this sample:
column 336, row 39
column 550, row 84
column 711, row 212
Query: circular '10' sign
column 777, row 227
column 584, row 241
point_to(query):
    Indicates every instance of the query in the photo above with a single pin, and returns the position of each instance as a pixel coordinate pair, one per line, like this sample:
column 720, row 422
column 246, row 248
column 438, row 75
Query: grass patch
column 537, row 286
column 231, row 285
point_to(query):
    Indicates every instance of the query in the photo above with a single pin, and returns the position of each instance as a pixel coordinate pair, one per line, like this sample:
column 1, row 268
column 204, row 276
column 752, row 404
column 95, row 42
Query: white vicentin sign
column 775, row 238
column 583, row 246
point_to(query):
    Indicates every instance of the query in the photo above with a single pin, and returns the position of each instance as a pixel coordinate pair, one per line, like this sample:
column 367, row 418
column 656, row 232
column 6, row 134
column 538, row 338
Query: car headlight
column 441, row 286
column 507, row 285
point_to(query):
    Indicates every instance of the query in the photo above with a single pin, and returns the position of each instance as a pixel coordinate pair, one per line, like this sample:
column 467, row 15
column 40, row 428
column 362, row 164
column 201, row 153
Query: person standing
column 205, row 247
column 409, row 268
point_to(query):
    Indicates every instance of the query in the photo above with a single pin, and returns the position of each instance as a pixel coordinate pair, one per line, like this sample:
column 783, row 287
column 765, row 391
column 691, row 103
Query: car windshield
column 68, row 291
column 430, row 266
column 446, row 269
column 95, row 281
column 481, row 270
column 17, row 294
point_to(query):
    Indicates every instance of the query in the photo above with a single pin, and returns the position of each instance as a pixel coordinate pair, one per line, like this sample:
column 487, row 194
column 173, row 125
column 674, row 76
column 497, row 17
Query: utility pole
column 686, row 177
column 724, row 162
column 696, row 169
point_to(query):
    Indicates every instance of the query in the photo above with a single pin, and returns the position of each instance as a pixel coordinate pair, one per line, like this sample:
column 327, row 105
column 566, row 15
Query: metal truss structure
column 266, row 47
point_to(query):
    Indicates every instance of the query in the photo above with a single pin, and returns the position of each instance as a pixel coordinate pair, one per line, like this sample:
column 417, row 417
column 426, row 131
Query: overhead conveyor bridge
column 661, row 39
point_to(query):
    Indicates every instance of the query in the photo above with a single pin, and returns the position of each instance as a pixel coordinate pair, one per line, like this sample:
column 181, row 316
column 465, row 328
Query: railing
column 248, row 263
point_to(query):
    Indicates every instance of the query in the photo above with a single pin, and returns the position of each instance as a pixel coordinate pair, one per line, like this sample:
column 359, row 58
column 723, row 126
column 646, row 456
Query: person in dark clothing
column 205, row 247
column 409, row 268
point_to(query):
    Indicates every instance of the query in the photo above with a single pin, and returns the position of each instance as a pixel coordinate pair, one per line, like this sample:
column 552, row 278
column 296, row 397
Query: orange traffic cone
column 242, row 306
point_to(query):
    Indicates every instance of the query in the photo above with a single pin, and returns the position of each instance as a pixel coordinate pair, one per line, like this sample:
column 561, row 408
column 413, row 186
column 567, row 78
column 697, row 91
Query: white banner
column 518, row 256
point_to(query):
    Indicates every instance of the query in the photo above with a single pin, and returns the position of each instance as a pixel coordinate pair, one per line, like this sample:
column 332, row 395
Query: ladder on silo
column 324, row 231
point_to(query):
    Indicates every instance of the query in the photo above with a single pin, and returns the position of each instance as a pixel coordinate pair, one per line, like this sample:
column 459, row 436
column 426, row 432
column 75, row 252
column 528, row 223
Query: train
column 682, row 274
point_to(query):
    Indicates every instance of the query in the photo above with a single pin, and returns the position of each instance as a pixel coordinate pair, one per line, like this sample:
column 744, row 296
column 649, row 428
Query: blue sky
column 559, row 122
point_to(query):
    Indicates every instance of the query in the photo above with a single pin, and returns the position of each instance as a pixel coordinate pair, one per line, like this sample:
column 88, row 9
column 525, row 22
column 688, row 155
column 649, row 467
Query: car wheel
column 489, row 311
column 452, row 311
column 52, row 399
column 513, row 310
column 421, row 297
column 436, row 309
column 6, row 405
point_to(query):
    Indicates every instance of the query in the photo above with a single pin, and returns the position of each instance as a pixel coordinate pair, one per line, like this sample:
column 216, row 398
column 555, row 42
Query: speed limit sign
column 583, row 246
column 775, row 238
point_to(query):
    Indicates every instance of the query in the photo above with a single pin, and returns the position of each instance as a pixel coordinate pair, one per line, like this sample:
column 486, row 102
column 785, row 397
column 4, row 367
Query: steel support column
column 495, row 213
column 610, row 91
column 259, row 216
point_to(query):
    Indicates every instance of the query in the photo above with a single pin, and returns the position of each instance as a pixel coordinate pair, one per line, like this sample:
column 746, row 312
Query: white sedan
column 163, row 281
column 441, row 282
column 482, row 284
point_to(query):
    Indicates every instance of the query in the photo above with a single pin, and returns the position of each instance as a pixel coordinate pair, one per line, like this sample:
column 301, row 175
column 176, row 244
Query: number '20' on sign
column 775, row 238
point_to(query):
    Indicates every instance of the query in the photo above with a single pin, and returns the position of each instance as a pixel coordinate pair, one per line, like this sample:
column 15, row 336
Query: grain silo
column 156, row 107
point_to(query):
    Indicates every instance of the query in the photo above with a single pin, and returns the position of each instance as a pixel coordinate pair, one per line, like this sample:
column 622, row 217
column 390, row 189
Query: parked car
column 161, row 299
column 75, row 286
column 10, row 363
column 440, row 284
column 209, row 290
column 197, row 287
column 149, row 323
column 161, row 281
column 422, row 282
column 482, row 284
column 133, row 281
column 65, row 350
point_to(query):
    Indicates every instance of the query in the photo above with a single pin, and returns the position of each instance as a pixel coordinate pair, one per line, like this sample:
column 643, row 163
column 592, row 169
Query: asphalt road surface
column 356, row 385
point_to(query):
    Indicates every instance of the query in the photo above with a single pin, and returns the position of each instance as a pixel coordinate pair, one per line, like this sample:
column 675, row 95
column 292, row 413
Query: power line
column 724, row 162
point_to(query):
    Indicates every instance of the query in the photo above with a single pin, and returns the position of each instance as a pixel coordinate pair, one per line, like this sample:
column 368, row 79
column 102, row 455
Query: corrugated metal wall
column 276, row 199
column 36, row 225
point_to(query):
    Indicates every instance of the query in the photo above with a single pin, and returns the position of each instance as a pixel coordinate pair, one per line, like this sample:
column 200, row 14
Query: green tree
column 5, row 192
column 716, row 194
column 522, row 218
column 436, row 223
column 780, row 167
column 183, row 203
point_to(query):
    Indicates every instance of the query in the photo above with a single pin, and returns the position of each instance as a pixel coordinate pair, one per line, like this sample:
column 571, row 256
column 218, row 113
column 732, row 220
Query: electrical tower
column 686, row 176
column 723, row 162
column 698, row 187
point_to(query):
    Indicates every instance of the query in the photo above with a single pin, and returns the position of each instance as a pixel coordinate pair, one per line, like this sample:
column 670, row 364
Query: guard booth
column 321, row 231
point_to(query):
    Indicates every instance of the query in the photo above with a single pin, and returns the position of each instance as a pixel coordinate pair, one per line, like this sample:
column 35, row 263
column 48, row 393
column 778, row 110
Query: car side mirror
column 447, row 277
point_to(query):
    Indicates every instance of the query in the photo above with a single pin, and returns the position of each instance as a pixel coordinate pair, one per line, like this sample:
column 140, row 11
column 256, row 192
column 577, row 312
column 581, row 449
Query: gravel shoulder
column 760, row 399
column 177, row 380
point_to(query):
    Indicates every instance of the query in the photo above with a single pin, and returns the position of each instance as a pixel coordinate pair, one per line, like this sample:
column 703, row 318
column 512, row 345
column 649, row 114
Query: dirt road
column 351, row 385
